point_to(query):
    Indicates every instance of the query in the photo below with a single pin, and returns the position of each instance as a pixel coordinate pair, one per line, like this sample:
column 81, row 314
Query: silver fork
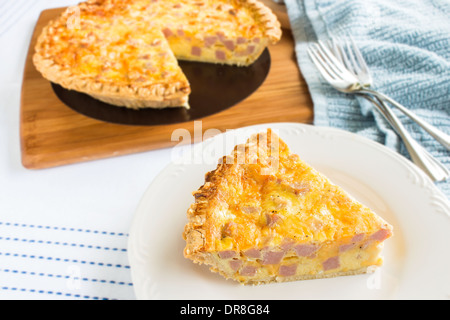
column 350, row 55
column 335, row 73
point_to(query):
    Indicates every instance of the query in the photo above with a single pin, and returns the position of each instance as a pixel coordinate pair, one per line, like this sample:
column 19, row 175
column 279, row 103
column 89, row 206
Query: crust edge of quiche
column 273, row 26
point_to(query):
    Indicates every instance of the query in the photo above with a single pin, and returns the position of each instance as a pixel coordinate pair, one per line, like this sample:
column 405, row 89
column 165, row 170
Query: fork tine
column 359, row 56
column 335, row 62
column 332, row 62
column 335, row 50
column 325, row 61
column 356, row 61
column 350, row 54
column 341, row 55
column 328, row 74
column 328, row 68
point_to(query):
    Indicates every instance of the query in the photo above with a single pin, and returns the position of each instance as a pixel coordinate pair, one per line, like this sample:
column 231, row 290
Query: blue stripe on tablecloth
column 90, row 252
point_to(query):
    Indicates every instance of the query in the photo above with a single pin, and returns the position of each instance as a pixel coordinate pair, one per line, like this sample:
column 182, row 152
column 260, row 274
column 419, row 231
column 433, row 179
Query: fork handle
column 430, row 165
column 440, row 136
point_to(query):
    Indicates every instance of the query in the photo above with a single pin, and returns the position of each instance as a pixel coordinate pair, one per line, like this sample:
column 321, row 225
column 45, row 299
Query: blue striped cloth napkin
column 406, row 44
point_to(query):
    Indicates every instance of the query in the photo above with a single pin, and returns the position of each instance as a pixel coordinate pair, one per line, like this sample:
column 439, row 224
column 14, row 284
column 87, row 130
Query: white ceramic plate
column 417, row 258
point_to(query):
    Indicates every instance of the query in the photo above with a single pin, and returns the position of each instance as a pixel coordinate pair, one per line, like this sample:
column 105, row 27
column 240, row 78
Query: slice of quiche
column 125, row 52
column 264, row 216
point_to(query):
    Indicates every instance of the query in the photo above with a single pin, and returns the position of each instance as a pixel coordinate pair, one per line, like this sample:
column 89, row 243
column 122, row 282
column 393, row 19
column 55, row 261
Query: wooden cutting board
column 52, row 134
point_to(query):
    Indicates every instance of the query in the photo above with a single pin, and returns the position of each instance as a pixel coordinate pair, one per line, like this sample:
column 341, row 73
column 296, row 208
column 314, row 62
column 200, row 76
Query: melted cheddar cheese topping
column 138, row 42
column 291, row 201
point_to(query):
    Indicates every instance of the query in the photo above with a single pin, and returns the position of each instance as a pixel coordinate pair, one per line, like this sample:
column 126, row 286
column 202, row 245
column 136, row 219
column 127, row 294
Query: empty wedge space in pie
column 125, row 52
column 265, row 216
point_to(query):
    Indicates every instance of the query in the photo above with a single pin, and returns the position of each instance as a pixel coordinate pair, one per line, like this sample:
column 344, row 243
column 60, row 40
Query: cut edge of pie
column 156, row 95
column 245, row 226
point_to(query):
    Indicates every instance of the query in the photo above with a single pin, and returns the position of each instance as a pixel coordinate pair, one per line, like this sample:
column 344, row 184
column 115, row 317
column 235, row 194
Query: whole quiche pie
column 126, row 52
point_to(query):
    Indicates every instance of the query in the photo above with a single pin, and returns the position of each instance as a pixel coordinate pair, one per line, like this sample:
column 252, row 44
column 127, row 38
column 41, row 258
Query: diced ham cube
column 220, row 55
column 287, row 245
column 167, row 32
column 235, row 264
column 331, row 263
column 280, row 203
column 196, row 51
column 227, row 254
column 305, row 250
column 272, row 257
column 271, row 219
column 253, row 253
column 241, row 40
column 249, row 271
column 250, row 49
column 381, row 235
column 250, row 209
column 211, row 40
column 358, row 238
column 229, row 44
column 288, row 270
column 300, row 188
column 229, row 229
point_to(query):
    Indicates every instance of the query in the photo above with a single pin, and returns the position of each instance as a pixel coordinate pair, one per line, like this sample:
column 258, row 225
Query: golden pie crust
column 264, row 216
column 125, row 52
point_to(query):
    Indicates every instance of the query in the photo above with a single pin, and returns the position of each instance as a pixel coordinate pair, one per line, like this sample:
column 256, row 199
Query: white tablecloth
column 63, row 231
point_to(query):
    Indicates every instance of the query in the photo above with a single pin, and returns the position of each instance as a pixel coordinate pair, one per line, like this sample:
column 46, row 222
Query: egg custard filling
column 126, row 52
column 264, row 216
